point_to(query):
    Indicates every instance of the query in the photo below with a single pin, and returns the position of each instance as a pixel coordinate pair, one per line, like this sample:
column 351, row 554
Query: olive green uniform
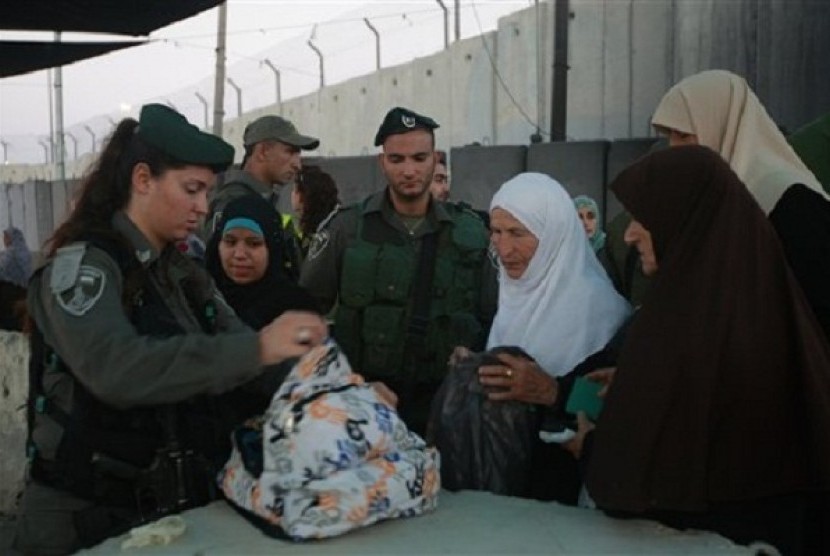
column 77, row 303
column 366, row 261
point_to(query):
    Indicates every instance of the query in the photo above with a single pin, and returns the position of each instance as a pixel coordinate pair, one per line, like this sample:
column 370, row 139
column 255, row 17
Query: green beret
column 169, row 131
column 401, row 120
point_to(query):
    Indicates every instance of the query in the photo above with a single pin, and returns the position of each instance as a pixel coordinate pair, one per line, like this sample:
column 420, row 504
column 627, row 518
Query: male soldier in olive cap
column 410, row 276
column 272, row 160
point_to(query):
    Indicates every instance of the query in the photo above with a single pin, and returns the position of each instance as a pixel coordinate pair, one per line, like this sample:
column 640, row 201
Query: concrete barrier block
column 14, row 384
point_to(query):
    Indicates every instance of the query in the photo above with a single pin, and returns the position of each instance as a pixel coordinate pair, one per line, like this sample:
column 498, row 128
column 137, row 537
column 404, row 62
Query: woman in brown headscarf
column 719, row 413
column 717, row 109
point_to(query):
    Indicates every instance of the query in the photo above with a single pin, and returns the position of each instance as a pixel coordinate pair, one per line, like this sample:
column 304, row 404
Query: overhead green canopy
column 120, row 17
column 25, row 56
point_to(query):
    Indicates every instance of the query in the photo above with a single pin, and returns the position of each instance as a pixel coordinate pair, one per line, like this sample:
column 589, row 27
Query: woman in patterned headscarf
column 16, row 260
column 717, row 109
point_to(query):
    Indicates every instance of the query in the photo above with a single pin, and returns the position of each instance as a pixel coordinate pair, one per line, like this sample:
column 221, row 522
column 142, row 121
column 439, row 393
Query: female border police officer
column 132, row 346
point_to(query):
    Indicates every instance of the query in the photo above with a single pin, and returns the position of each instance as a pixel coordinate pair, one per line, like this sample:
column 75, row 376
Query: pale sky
column 180, row 62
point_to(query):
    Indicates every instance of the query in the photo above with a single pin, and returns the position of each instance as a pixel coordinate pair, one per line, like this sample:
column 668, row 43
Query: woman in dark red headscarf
column 719, row 414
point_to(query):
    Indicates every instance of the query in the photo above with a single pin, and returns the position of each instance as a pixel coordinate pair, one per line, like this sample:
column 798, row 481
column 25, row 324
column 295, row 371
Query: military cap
column 401, row 120
column 170, row 132
column 275, row 128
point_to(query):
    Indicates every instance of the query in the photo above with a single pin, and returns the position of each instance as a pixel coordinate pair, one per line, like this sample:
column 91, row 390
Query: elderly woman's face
column 639, row 237
column 244, row 255
column 513, row 242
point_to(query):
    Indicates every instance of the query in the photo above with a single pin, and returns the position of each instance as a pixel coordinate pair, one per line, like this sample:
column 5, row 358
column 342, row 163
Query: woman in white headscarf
column 555, row 300
column 717, row 109
column 558, row 305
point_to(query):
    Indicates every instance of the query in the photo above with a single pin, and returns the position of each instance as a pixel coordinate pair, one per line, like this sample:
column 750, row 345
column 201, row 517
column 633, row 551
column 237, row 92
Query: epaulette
column 66, row 266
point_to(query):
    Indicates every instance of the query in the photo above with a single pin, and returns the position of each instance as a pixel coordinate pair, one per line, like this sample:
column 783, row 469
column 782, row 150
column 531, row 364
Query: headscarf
column 722, row 390
column 258, row 303
column 597, row 239
column 16, row 260
column 812, row 144
column 726, row 116
column 564, row 307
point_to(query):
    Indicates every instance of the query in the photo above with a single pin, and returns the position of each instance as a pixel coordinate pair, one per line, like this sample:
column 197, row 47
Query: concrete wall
column 493, row 91
column 14, row 376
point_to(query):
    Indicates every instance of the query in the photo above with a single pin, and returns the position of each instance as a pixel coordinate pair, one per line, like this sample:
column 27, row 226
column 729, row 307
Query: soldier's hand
column 292, row 334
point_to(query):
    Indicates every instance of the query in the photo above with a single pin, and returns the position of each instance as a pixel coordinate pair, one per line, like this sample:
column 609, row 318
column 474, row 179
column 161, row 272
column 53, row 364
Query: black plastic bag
column 484, row 445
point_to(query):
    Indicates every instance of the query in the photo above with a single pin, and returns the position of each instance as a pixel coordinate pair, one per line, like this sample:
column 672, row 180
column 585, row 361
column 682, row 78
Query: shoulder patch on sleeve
column 66, row 266
column 87, row 289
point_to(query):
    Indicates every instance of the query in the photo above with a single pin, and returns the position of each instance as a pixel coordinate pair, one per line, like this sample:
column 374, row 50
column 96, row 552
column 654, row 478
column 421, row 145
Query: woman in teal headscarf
column 588, row 212
column 589, row 216
column 812, row 144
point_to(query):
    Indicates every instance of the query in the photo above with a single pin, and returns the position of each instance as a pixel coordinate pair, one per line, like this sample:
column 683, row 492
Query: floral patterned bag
column 334, row 456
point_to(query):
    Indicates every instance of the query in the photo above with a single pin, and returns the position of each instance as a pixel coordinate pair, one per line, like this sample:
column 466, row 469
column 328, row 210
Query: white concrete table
column 464, row 523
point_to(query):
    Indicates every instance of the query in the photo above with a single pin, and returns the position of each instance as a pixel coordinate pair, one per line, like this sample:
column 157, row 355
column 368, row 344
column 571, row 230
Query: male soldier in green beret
column 272, row 160
column 410, row 276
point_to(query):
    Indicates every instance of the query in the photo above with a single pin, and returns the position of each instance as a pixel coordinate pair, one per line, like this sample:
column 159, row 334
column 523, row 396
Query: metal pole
column 74, row 144
column 91, row 134
column 457, row 20
column 238, row 97
column 540, row 96
column 204, row 102
column 219, row 81
column 5, row 152
column 377, row 41
column 446, row 24
column 319, row 55
column 559, row 96
column 49, row 87
column 59, row 118
column 278, row 79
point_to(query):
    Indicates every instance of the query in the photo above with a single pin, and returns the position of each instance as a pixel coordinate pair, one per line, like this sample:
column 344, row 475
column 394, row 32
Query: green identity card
column 584, row 398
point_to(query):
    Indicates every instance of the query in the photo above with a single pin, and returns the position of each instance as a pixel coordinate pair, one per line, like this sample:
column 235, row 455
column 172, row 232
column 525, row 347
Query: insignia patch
column 82, row 296
column 408, row 121
column 318, row 244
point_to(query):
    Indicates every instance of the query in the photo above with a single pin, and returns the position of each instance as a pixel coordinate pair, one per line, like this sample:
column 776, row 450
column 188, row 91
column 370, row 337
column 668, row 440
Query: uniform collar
column 144, row 250
column 242, row 176
column 380, row 202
